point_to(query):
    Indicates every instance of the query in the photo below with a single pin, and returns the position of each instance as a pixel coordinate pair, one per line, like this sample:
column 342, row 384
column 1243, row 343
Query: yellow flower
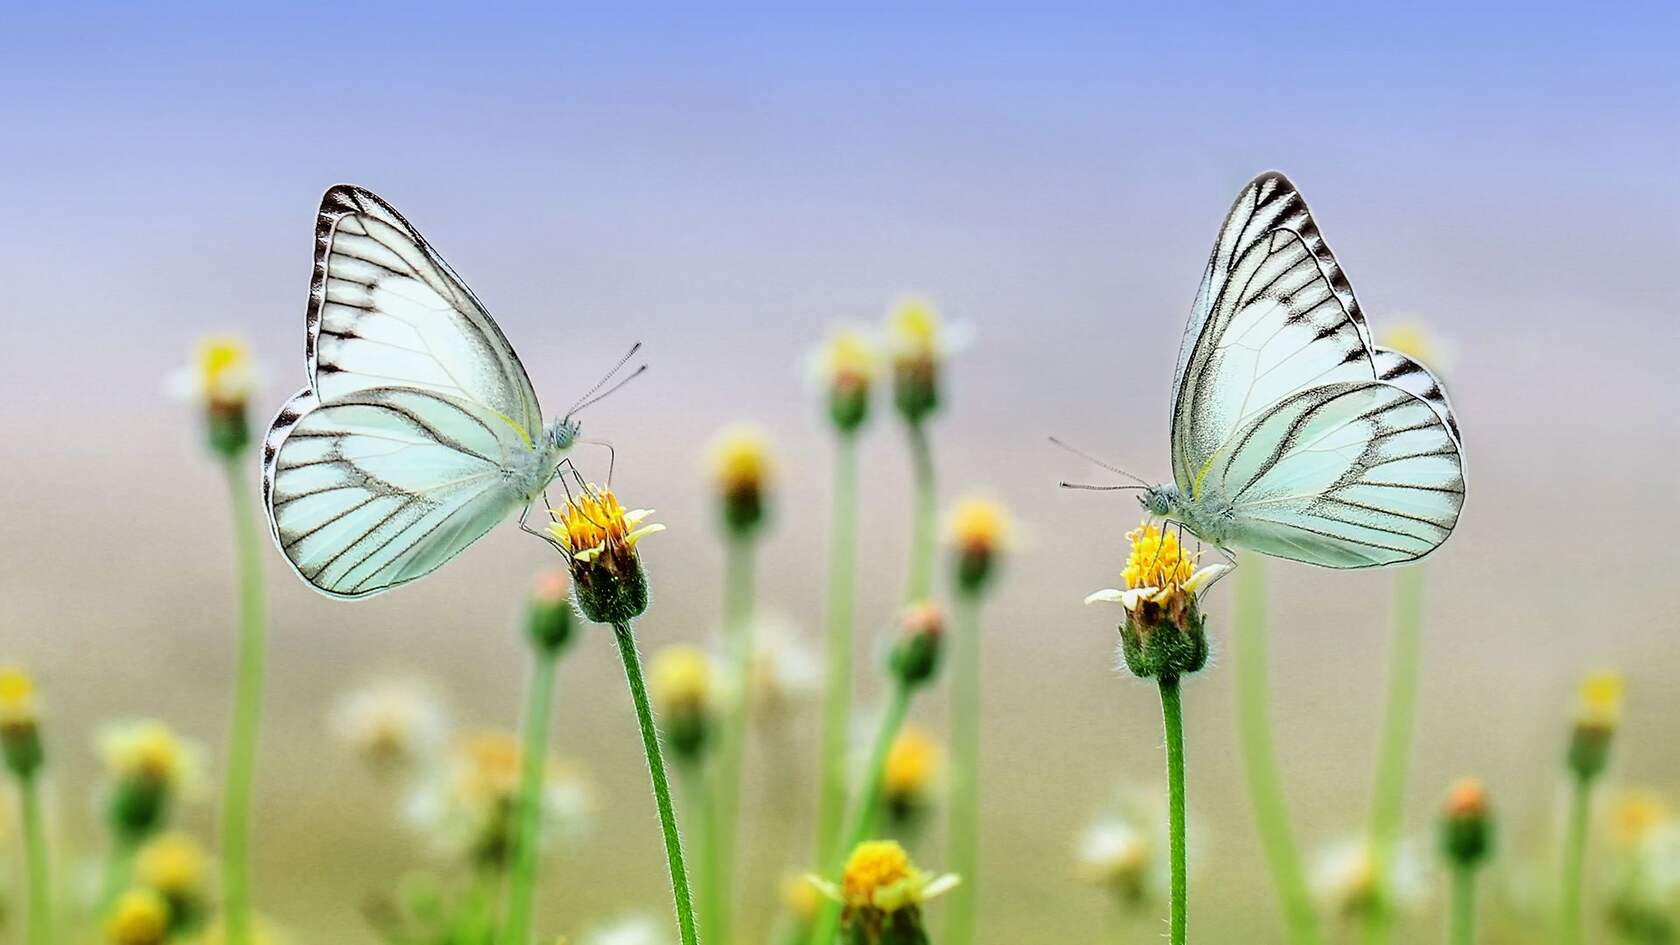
column 595, row 528
column 1157, row 569
column 1601, row 700
column 222, row 374
column 1637, row 815
column 848, row 360
column 680, row 679
column 802, row 899
column 17, row 697
column 174, row 865
column 739, row 459
column 912, row 762
column 139, row 917
column 979, row 525
column 1467, row 798
column 914, row 331
column 880, row 878
column 152, row 751
column 1417, row 341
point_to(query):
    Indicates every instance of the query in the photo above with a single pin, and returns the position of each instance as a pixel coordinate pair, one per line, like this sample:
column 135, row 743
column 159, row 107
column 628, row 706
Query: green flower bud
column 914, row 657
column 549, row 618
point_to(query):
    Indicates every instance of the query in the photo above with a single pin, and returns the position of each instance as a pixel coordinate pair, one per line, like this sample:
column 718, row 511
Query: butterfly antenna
column 1092, row 459
column 585, row 400
column 1088, row 487
column 603, row 395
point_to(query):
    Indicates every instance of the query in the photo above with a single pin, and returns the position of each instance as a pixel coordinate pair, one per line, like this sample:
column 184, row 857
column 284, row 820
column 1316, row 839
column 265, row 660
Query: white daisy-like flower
column 392, row 725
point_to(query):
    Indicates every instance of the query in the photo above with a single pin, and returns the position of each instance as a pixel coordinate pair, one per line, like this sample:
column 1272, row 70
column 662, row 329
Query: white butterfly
column 419, row 430
column 1292, row 434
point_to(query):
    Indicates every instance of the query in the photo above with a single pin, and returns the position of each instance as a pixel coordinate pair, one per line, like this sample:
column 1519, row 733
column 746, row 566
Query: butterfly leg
column 612, row 457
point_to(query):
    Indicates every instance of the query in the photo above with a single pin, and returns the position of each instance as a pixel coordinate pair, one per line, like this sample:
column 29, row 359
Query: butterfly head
column 562, row 433
column 1160, row 501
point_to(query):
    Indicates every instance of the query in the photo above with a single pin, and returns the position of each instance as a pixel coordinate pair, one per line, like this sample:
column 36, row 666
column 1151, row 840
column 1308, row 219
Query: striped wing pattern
column 1276, row 335
column 385, row 309
column 1345, row 475
column 377, row 487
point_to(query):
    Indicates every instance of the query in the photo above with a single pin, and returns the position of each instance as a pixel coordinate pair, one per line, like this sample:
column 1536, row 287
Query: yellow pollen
column 595, row 523
column 874, row 865
column 1156, row 559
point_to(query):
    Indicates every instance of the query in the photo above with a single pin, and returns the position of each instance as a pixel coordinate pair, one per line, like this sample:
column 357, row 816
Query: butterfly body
column 1292, row 433
column 419, row 431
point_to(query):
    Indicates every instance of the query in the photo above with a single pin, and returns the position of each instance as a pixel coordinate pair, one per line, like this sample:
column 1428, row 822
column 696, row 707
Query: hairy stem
column 1172, row 718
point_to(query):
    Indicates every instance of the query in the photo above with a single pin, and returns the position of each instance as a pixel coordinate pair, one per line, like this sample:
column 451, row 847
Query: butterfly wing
column 1401, row 371
column 1345, row 475
column 386, row 310
column 379, row 486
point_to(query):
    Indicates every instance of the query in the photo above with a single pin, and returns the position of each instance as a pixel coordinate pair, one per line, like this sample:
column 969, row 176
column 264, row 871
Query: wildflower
column 1115, row 855
column 549, row 616
column 1636, row 815
column 919, row 344
column 1597, row 715
column 1345, row 878
column 739, row 460
column 784, row 672
column 680, row 682
column 150, row 766
column 979, row 530
column 20, row 723
column 882, row 893
column 802, row 900
column 176, row 867
column 846, row 367
column 472, row 806
column 599, row 537
column 907, row 780
column 140, row 917
column 1645, row 882
column 914, row 657
column 393, row 725
column 1163, row 633
column 221, row 379
column 1466, row 824
column 1419, row 342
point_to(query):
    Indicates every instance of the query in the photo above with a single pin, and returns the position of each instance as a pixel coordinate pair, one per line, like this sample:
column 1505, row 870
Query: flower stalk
column 837, row 689
column 1394, row 753
column 1466, row 844
column 1172, row 718
column 247, row 707
column 1596, row 720
column 35, row 856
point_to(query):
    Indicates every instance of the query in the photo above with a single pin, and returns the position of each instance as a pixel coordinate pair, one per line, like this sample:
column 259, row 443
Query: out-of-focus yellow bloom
column 1468, row 797
column 1636, row 815
column 915, row 331
column 152, row 751
column 879, row 877
column 595, row 528
column 1419, row 342
column 139, row 917
column 979, row 524
column 174, row 865
column 222, row 374
column 1601, row 700
column 680, row 679
column 848, row 359
column 392, row 725
column 802, row 899
column 21, row 748
column 738, row 459
column 17, row 697
column 469, row 806
column 913, row 761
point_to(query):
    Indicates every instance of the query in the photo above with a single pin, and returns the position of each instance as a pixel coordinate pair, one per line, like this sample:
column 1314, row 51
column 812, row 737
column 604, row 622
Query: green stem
column 661, row 782
column 867, row 805
column 533, row 768
column 1259, row 756
column 705, row 805
column 1574, row 857
column 1399, row 716
column 837, row 695
column 118, row 869
column 964, row 833
column 1463, row 906
column 737, row 628
column 1172, row 719
column 247, row 710
column 920, row 587
column 35, row 853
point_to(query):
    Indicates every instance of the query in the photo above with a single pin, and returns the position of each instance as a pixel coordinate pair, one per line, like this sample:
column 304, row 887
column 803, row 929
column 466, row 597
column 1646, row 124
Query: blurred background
column 724, row 185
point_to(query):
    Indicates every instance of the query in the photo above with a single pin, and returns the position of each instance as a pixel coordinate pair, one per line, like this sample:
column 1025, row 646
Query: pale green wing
column 385, row 310
column 379, row 486
column 1274, row 316
column 1345, row 475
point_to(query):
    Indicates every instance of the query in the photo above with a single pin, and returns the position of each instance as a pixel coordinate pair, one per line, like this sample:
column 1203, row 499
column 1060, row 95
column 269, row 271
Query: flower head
column 802, row 899
column 919, row 343
column 912, row 765
column 1114, row 854
column 846, row 366
column 393, row 725
column 1466, row 823
column 150, row 766
column 914, row 657
column 599, row 537
column 549, row 616
column 1598, row 713
column 20, row 722
column 1163, row 629
column 979, row 530
column 1345, row 877
column 1636, row 815
column 740, row 467
column 882, row 893
column 1419, row 342
column 470, row 806
column 680, row 682
column 784, row 672
column 139, row 917
column 220, row 378
column 176, row 867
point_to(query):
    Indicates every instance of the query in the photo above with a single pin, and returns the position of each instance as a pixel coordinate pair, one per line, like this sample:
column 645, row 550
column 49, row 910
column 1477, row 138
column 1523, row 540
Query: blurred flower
column 470, row 806
column 221, row 379
column 1419, row 342
column 1116, row 855
column 149, row 767
column 846, row 366
column 738, row 461
column 599, row 537
column 1466, row 823
column 1345, row 878
column 176, row 867
column 139, row 917
column 919, row 344
column 549, row 615
column 20, row 722
column 680, row 683
column 636, row 930
column 1163, row 630
column 785, row 672
column 392, row 725
column 907, row 780
column 1636, row 815
column 1598, row 713
column 882, row 893
column 802, row 899
column 1644, row 891
column 980, row 531
column 914, row 657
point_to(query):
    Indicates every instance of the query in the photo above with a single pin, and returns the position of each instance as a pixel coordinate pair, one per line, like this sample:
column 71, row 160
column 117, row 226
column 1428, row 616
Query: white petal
column 1107, row 595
